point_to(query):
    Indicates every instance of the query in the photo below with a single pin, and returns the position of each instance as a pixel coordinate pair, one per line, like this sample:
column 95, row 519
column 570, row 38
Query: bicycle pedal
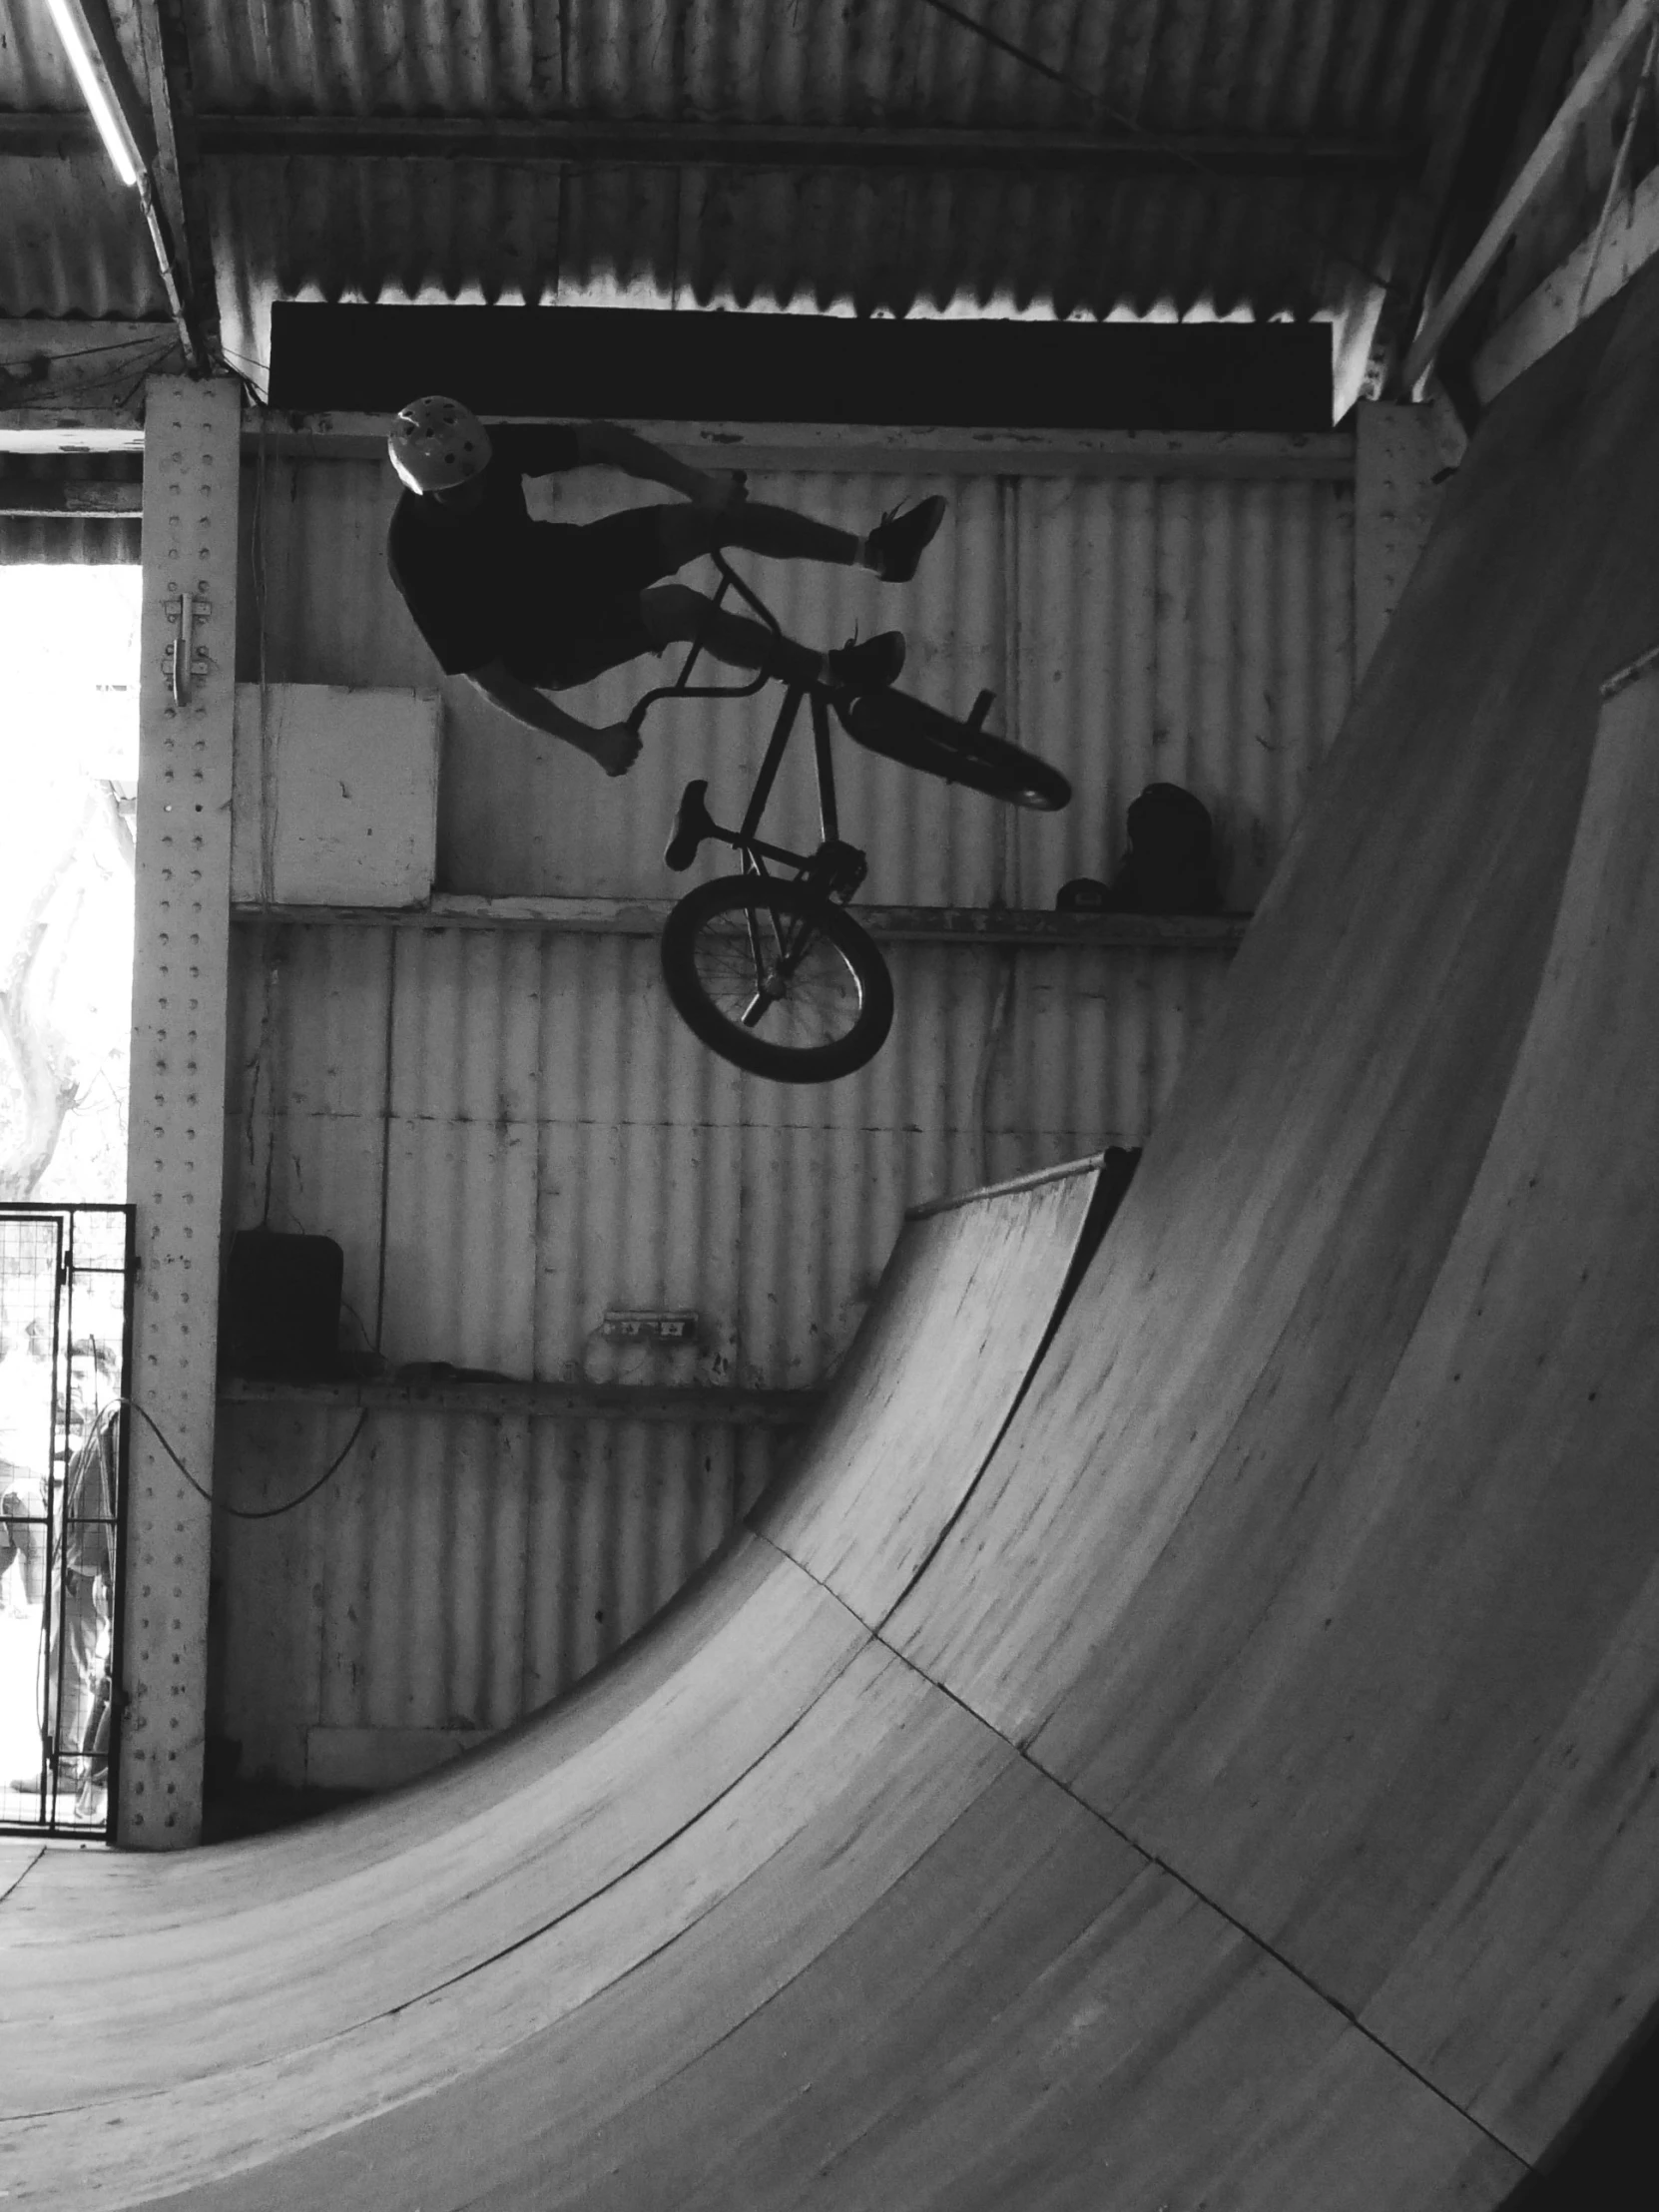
column 836, row 868
column 692, row 823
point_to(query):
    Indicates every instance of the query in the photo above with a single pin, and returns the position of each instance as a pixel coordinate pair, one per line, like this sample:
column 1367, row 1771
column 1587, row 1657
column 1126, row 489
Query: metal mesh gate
column 65, row 1324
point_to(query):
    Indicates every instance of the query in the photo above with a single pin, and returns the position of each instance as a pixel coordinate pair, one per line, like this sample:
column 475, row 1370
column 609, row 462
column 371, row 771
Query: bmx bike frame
column 836, row 868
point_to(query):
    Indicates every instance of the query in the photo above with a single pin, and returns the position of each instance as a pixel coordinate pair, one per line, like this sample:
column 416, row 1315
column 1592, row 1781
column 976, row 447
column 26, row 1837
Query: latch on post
column 185, row 660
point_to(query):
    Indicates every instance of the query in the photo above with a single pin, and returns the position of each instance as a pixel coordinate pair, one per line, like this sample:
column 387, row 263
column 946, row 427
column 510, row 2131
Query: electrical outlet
column 631, row 1325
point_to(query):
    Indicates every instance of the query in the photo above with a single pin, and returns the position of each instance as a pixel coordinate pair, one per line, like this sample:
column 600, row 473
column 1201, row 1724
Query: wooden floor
column 1199, row 1752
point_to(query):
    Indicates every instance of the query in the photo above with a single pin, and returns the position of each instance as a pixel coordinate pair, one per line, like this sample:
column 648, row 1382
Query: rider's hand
column 722, row 491
column 616, row 749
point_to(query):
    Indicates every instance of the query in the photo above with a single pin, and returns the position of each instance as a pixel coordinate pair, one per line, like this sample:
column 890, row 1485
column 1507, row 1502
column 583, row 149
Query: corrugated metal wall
column 1132, row 626
column 457, row 1573
column 552, row 1142
column 65, row 540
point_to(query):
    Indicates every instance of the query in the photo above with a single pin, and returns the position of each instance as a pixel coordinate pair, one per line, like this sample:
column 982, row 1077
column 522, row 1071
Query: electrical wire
column 246, row 1512
column 120, row 345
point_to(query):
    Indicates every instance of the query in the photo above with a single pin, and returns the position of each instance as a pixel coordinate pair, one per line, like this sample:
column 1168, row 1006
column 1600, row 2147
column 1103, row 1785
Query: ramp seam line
column 666, row 1843
column 1256, row 1943
column 14, row 1885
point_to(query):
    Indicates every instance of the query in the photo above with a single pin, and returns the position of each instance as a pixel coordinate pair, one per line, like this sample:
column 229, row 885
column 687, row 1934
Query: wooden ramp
column 1217, row 1770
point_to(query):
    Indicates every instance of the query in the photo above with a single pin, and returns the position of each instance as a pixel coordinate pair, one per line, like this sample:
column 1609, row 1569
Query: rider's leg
column 892, row 550
column 675, row 614
column 686, row 533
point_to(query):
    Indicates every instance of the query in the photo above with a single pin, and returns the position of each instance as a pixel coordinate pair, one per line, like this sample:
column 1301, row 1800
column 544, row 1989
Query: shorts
column 580, row 610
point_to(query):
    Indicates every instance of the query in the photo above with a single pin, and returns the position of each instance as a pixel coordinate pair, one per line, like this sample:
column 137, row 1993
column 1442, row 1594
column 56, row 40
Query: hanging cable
column 247, row 1512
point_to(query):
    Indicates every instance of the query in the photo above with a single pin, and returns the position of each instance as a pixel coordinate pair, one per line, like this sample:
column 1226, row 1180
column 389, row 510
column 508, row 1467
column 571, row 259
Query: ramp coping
column 1067, row 1168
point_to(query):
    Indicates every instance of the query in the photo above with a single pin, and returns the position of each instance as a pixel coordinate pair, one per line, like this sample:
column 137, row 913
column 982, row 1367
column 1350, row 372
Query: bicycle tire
column 707, row 935
column 921, row 736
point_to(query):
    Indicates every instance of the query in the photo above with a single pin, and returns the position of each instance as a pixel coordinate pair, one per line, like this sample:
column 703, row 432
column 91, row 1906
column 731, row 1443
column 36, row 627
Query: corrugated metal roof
column 377, row 226
column 1326, row 65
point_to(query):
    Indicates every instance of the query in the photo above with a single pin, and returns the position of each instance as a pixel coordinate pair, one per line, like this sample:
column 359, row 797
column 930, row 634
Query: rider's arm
column 616, row 447
column 616, row 748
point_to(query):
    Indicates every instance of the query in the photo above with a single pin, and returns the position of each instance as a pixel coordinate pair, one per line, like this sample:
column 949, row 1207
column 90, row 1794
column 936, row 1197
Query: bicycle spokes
column 780, row 975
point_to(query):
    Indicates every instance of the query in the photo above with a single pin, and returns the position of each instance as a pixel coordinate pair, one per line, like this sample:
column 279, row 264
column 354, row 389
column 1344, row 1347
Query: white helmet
column 437, row 443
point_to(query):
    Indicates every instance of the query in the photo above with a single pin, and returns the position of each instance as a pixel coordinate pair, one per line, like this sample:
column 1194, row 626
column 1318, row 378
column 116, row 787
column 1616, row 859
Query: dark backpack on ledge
column 1170, row 867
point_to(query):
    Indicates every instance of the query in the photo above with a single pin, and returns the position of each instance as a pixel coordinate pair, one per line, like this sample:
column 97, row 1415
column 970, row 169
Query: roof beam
column 77, row 387
column 654, row 145
column 70, row 497
column 177, row 168
column 872, row 450
column 1633, row 23
column 1484, row 73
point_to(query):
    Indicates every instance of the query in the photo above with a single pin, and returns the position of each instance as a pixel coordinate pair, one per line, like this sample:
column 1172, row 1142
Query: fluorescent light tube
column 83, row 59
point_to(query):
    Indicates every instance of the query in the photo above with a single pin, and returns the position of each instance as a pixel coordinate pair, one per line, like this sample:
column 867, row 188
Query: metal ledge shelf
column 538, row 1400
column 1034, row 927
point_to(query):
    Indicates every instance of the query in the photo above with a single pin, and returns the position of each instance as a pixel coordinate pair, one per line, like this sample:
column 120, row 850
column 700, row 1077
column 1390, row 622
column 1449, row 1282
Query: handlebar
column 730, row 579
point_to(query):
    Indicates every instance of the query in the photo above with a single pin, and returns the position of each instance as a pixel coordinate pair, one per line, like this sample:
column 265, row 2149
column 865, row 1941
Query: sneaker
column 866, row 667
column 895, row 545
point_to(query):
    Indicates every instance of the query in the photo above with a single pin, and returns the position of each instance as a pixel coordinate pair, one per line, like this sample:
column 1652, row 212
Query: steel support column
column 176, row 1143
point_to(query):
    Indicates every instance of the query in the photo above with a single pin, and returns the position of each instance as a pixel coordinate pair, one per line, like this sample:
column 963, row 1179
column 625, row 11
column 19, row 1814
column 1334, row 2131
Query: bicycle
column 770, row 971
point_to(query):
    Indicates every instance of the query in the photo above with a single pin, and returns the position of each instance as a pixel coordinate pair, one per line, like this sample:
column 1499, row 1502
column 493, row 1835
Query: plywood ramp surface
column 1194, row 1747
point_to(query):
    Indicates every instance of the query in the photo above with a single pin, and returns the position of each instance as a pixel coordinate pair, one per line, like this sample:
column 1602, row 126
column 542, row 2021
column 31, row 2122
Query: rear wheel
column 776, row 979
column 909, row 730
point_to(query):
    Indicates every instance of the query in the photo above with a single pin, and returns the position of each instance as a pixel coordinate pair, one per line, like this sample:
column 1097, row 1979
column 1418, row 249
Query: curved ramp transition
column 1198, row 1752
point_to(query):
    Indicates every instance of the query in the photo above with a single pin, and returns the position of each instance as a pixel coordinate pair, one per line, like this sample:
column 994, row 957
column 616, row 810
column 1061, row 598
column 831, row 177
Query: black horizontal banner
column 696, row 366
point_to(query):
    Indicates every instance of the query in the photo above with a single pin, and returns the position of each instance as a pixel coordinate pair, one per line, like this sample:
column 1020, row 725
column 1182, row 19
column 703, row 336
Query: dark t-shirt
column 463, row 579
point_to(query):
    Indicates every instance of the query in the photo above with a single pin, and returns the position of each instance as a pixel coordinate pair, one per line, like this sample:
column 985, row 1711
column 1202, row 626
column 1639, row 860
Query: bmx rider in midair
column 525, row 608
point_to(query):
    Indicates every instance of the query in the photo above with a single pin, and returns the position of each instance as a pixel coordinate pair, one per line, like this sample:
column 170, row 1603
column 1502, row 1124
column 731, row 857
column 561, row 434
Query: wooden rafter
column 1633, row 23
column 1495, row 50
column 654, row 145
column 177, row 167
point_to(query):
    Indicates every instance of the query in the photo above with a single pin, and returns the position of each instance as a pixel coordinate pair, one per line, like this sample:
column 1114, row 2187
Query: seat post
column 829, row 821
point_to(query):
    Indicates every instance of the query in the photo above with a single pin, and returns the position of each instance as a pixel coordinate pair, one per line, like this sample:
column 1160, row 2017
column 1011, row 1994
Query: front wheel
column 909, row 730
column 776, row 979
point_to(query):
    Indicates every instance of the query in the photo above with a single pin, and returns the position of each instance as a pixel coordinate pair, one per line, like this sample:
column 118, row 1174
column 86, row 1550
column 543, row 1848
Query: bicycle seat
column 692, row 823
